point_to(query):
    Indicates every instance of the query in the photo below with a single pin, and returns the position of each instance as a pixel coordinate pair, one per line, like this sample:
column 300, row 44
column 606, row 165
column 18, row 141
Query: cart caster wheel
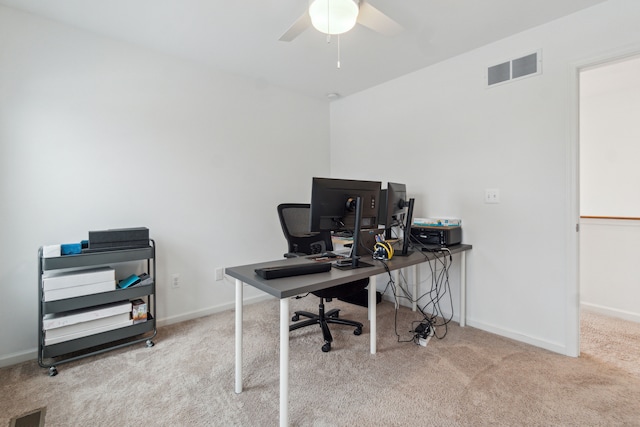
column 326, row 347
column 150, row 343
column 358, row 331
column 53, row 371
column 295, row 318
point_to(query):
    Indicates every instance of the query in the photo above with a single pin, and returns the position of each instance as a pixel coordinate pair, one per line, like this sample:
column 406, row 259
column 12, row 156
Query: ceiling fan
column 339, row 16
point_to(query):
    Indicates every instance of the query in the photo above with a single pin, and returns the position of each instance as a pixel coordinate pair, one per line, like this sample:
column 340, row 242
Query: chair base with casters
column 294, row 218
column 323, row 318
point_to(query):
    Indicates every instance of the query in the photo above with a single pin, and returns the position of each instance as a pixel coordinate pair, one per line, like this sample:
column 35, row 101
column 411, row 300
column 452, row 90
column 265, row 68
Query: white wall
column 97, row 134
column 609, row 268
column 453, row 138
column 609, row 176
column 609, row 135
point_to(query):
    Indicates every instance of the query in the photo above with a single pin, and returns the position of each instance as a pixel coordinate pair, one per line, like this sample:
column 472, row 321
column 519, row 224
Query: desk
column 287, row 287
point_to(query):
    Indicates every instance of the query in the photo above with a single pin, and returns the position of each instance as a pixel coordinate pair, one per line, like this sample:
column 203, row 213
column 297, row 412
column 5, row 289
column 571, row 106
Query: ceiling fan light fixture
column 333, row 16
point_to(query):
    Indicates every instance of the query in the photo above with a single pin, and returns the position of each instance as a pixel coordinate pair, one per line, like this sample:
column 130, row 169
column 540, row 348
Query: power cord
column 433, row 317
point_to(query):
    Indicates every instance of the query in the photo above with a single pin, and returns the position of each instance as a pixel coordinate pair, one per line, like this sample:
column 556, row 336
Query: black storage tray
column 97, row 258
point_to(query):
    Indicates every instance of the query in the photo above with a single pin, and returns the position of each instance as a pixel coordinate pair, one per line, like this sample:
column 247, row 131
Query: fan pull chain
column 329, row 34
column 329, row 41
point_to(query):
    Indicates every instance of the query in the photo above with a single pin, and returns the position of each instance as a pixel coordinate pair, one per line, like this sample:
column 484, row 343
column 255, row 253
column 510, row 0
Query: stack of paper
column 437, row 222
column 70, row 325
column 60, row 285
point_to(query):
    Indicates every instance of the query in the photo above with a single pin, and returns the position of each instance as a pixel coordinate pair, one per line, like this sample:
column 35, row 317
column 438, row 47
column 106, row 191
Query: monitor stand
column 347, row 264
column 354, row 262
column 407, row 232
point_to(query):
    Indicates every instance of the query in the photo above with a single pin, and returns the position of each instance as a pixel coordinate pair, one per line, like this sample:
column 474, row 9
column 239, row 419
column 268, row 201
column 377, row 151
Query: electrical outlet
column 219, row 274
column 175, row 280
column 492, row 195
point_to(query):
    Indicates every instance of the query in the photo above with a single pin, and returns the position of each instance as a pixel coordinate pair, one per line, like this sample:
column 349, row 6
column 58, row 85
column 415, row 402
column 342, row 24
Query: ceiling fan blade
column 297, row 28
column 377, row 21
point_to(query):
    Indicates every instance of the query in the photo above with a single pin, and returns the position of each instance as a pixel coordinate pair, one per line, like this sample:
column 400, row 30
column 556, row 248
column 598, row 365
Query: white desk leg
column 416, row 279
column 239, row 285
column 284, row 362
column 463, row 288
column 372, row 316
column 396, row 279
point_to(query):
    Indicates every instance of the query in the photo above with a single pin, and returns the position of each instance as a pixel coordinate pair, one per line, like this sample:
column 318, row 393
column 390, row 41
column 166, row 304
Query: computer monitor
column 392, row 205
column 335, row 207
column 397, row 210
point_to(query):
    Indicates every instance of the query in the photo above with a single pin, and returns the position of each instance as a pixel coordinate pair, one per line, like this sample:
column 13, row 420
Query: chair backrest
column 294, row 219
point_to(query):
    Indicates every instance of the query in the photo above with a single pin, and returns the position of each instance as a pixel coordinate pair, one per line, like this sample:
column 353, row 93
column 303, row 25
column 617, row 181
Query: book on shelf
column 129, row 281
column 437, row 222
column 53, row 280
column 51, row 251
column 138, row 311
column 145, row 279
column 78, row 291
column 58, row 320
column 89, row 325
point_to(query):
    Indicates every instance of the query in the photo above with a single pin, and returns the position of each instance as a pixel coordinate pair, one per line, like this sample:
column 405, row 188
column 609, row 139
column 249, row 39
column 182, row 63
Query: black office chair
column 294, row 218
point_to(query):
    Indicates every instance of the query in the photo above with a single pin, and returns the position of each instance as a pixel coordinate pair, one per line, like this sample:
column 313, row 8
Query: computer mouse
column 328, row 255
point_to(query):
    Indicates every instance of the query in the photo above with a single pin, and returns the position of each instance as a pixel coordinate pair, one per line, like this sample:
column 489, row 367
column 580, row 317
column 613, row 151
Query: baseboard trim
column 404, row 303
column 209, row 310
column 613, row 312
column 514, row 335
column 16, row 358
column 517, row 336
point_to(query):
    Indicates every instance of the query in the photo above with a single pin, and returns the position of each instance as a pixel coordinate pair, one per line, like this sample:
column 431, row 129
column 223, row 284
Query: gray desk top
column 290, row 286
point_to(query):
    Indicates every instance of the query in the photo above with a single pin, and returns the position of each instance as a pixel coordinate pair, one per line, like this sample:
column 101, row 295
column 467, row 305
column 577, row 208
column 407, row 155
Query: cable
column 441, row 286
column 430, row 302
column 391, row 284
column 431, row 311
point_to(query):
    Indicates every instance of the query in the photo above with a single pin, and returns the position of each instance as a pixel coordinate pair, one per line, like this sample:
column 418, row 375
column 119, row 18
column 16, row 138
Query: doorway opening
column 609, row 211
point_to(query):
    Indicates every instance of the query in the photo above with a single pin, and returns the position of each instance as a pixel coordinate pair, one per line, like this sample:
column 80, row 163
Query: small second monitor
column 397, row 211
column 393, row 204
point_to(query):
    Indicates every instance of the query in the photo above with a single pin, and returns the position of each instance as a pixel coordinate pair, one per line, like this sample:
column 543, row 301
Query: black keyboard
column 293, row 270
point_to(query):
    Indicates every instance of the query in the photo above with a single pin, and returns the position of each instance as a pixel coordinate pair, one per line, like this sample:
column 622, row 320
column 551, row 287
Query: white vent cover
column 515, row 69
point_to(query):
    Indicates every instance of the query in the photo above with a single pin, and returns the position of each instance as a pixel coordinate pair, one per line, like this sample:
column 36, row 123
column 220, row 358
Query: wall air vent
column 515, row 69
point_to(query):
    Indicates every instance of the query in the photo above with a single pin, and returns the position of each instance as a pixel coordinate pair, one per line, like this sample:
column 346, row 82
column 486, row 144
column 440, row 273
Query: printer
column 436, row 236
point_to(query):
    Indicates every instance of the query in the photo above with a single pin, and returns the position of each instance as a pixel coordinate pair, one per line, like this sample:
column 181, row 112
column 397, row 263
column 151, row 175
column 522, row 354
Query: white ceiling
column 242, row 36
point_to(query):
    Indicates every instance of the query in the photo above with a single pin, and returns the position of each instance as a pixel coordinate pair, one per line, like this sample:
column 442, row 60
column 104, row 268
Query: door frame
column 573, row 187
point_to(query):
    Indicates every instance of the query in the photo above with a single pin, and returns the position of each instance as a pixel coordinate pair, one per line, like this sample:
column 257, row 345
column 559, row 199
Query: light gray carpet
column 612, row 341
column 470, row 378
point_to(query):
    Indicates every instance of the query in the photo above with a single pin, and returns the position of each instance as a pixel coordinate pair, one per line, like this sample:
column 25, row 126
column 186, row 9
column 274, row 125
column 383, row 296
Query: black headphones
column 382, row 250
